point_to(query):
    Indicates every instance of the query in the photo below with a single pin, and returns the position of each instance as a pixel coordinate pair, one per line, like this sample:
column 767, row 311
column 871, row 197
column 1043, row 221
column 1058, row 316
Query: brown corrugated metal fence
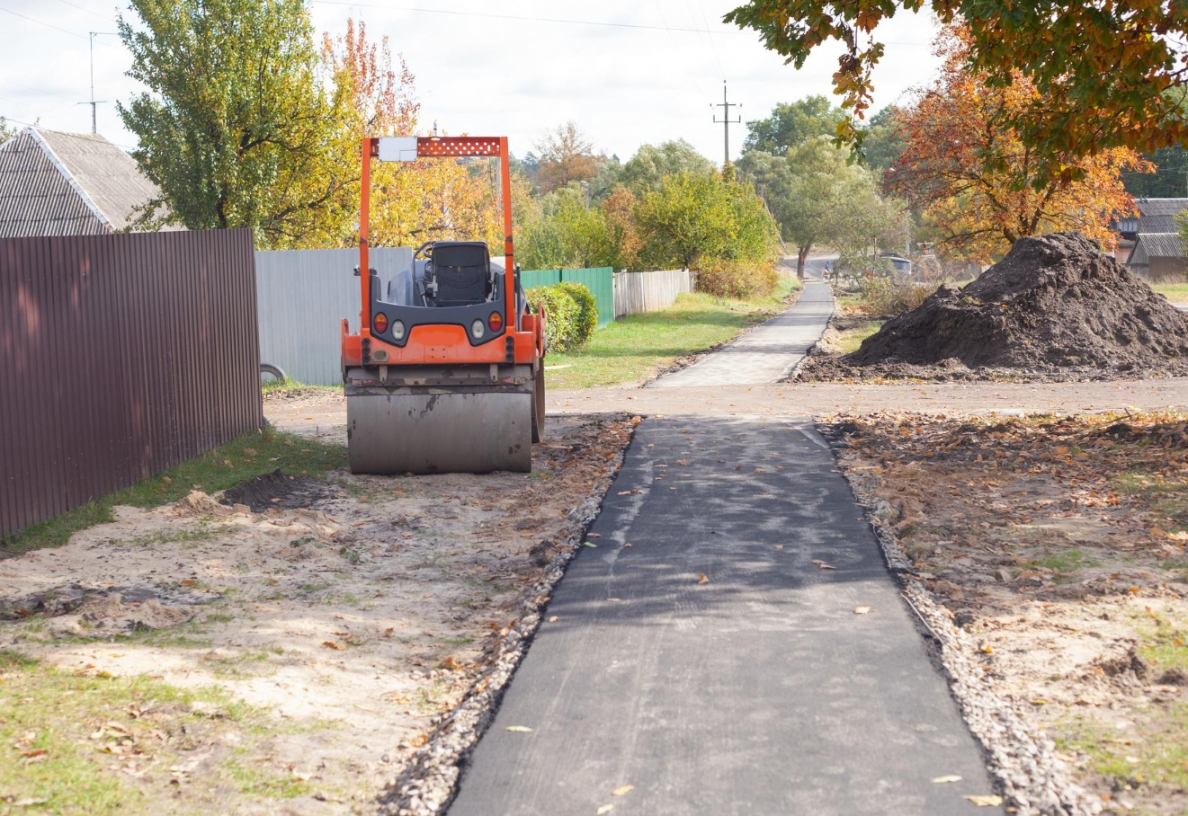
column 120, row 356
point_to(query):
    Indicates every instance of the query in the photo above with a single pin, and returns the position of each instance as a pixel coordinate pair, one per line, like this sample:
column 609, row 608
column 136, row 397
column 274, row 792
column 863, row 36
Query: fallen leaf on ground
column 519, row 729
column 605, row 809
column 862, row 610
column 330, row 644
column 985, row 801
column 823, row 565
column 704, row 579
column 623, row 790
column 553, row 619
column 944, row 780
column 590, row 544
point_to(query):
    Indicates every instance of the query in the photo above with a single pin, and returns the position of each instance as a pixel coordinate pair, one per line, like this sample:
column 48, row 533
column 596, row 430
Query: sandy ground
column 1059, row 546
column 324, row 414
column 356, row 610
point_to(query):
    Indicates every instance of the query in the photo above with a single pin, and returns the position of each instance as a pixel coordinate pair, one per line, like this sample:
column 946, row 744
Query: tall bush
column 586, row 320
column 571, row 311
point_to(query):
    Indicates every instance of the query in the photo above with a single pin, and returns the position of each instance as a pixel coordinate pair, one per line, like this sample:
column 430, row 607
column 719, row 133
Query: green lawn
column 219, row 469
column 1175, row 292
column 852, row 338
column 631, row 349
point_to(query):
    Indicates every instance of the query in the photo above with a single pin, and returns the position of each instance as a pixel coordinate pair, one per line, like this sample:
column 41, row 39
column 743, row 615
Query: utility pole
column 95, row 103
column 726, row 122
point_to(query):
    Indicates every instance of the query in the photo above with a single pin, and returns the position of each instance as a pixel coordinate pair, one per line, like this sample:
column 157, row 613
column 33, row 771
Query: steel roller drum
column 439, row 431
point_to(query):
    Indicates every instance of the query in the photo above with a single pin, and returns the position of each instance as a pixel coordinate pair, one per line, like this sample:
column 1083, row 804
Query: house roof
column 1157, row 245
column 54, row 183
column 1156, row 215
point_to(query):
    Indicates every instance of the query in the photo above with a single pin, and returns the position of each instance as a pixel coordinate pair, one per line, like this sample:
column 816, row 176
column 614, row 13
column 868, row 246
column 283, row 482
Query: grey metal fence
column 120, row 356
column 304, row 295
column 650, row 291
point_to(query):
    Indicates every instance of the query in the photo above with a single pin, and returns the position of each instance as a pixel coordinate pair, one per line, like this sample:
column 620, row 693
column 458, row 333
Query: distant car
column 902, row 265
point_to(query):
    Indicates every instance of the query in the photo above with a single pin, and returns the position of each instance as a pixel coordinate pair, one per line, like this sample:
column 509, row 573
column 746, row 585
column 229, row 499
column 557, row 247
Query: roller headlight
column 397, row 330
column 478, row 329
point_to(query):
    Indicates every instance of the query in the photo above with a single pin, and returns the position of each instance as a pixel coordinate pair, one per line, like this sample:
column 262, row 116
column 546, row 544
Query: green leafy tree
column 7, row 131
column 883, row 140
column 652, row 163
column 792, row 124
column 235, row 127
column 818, row 196
column 1101, row 70
column 695, row 218
column 568, row 234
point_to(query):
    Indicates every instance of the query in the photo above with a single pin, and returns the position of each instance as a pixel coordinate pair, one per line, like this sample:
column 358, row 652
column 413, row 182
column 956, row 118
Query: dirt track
column 324, row 413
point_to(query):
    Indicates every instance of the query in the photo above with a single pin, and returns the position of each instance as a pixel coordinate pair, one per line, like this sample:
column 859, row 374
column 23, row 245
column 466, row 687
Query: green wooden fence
column 601, row 282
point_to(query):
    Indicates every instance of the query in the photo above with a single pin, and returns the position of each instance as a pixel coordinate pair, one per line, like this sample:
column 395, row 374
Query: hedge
column 587, row 316
column 572, row 314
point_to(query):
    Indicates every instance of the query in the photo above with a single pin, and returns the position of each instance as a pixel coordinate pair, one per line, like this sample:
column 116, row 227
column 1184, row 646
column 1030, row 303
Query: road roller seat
column 462, row 271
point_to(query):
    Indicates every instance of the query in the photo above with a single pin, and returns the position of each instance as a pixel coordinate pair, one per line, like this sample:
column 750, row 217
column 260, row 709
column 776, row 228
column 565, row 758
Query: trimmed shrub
column 562, row 315
column 733, row 279
column 587, row 316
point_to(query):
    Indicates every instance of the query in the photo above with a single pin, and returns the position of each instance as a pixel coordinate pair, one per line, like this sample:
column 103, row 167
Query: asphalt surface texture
column 767, row 354
column 701, row 653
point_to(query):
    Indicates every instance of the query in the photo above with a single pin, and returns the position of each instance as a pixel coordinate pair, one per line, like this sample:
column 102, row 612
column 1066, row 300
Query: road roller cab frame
column 446, row 373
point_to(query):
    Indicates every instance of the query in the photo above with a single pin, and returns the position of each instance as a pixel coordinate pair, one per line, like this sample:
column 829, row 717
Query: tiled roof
column 55, row 183
column 1161, row 245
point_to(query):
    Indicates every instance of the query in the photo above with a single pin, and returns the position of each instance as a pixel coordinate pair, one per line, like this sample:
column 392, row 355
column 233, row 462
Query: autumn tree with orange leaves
column 413, row 202
column 976, row 183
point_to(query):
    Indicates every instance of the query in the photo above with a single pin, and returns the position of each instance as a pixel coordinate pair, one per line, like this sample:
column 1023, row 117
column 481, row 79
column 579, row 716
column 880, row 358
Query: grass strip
column 81, row 742
column 633, row 347
column 219, row 469
column 1175, row 292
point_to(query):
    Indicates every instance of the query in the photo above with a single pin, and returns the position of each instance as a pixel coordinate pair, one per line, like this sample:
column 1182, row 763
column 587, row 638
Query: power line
column 88, row 11
column 713, row 45
column 522, row 18
column 40, row 22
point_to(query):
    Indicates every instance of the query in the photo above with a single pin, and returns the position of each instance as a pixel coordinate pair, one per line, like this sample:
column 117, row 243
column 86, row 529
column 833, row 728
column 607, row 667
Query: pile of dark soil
column 1056, row 307
column 276, row 489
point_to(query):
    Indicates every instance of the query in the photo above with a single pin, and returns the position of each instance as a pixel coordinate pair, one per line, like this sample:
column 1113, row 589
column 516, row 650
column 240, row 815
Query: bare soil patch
column 1057, row 546
column 326, row 627
column 1055, row 308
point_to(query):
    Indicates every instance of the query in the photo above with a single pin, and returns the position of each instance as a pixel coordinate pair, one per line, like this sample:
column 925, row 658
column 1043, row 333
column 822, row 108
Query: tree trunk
column 801, row 257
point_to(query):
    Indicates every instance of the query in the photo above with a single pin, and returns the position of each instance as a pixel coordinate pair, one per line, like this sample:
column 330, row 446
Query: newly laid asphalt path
column 767, row 354
column 701, row 660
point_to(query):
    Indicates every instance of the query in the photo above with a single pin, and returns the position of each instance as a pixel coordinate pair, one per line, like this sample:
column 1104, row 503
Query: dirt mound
column 1054, row 302
column 276, row 489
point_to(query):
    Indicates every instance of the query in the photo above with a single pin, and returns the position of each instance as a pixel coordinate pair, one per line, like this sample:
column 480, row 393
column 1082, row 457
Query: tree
column 694, row 218
column 565, row 155
column 568, row 234
column 794, row 124
column 234, row 128
column 1100, row 70
column 618, row 210
column 978, row 183
column 1169, row 179
column 6, row 130
column 818, row 196
column 651, row 163
column 882, row 141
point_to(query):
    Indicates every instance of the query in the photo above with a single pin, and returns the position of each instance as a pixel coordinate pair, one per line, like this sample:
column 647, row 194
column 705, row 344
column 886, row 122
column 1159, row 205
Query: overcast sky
column 628, row 72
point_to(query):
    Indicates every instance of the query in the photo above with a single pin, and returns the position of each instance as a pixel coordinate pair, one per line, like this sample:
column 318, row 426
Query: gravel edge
column 1022, row 760
column 428, row 784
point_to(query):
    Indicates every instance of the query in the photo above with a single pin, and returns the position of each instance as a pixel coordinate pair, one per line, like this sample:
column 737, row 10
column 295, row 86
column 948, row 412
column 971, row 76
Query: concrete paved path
column 768, row 353
column 758, row 692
